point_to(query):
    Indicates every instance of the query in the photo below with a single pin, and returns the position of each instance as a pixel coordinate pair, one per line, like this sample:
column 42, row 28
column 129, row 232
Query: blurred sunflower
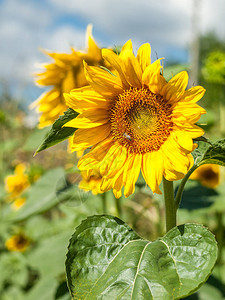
column 17, row 183
column 18, row 203
column 63, row 74
column 135, row 120
column 17, row 242
column 208, row 175
column 91, row 182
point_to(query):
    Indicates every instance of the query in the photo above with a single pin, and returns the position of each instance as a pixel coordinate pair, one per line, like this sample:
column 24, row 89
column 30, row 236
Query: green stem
column 219, row 235
column 104, row 204
column 169, row 204
column 181, row 186
column 118, row 207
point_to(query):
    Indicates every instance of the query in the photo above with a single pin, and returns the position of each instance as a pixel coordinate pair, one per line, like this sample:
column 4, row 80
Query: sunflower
column 18, row 203
column 208, row 175
column 18, row 242
column 91, row 182
column 64, row 74
column 135, row 120
column 15, row 184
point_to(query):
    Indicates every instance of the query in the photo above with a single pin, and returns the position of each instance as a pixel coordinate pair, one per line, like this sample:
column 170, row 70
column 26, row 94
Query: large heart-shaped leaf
column 108, row 260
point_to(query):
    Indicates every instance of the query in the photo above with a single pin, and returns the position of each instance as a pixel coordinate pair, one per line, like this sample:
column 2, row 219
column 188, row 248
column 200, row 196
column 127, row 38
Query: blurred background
column 40, row 199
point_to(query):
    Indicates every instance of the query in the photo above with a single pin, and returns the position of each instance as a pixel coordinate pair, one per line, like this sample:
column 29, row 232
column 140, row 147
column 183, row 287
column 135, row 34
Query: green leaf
column 215, row 154
column 199, row 152
column 108, row 260
column 209, row 153
column 58, row 133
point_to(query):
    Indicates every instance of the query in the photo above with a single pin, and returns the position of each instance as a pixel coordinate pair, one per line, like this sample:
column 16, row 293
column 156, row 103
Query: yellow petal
column 176, row 87
column 152, row 170
column 93, row 50
column 144, row 56
column 85, row 138
column 48, row 96
column 173, row 158
column 115, row 61
column 191, row 111
column 152, row 77
column 193, row 94
column 131, row 173
column 85, row 98
column 172, row 175
column 92, row 159
column 130, row 65
column 193, row 130
column 103, row 82
column 115, row 183
column 113, row 161
column 183, row 139
column 118, row 185
column 127, row 46
column 89, row 119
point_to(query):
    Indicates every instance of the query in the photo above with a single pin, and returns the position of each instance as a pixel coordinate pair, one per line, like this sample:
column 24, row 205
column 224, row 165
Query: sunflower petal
column 175, row 159
column 193, row 94
column 103, row 82
column 191, row 111
column 89, row 119
column 115, row 61
column 183, row 139
column 92, row 159
column 130, row 65
column 152, row 170
column 93, row 50
column 113, row 161
column 176, row 87
column 82, row 99
column 131, row 173
column 85, row 138
column 152, row 77
column 144, row 56
column 193, row 130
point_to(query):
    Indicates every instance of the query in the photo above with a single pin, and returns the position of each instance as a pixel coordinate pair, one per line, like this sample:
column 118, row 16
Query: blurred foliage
column 214, row 68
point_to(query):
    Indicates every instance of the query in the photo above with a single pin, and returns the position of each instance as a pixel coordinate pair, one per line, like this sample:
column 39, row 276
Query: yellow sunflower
column 17, row 183
column 135, row 120
column 64, row 74
column 91, row 182
column 18, row 203
column 18, row 242
column 208, row 175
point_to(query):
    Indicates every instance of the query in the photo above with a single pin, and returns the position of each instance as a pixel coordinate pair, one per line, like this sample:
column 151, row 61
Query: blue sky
column 28, row 25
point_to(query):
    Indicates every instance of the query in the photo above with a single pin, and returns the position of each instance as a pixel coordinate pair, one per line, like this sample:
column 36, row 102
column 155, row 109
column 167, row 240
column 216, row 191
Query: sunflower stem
column 181, row 186
column 169, row 204
column 104, row 204
column 118, row 207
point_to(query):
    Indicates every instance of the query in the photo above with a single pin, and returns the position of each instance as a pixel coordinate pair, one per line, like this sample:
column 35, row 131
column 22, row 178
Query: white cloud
column 25, row 27
column 141, row 20
column 65, row 37
column 164, row 22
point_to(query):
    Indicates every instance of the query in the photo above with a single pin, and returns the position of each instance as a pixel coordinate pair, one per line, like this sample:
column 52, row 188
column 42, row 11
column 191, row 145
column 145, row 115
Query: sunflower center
column 141, row 120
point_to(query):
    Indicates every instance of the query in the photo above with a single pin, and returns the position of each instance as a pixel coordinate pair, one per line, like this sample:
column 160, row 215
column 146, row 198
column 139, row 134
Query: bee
column 127, row 136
